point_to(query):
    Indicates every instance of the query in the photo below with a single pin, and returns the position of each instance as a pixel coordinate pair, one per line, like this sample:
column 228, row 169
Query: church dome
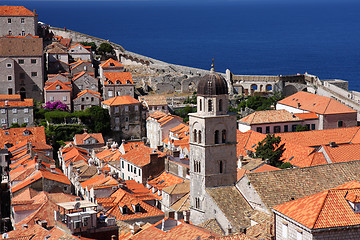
column 212, row 84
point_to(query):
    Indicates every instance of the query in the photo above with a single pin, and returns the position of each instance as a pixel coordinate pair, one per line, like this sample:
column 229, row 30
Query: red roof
column 140, row 156
column 165, row 179
column 24, row 103
column 118, row 78
column 111, row 63
column 343, row 153
column 58, row 86
column 95, row 94
column 80, row 138
column 15, row 11
column 120, row 100
column 315, row 103
column 16, row 135
column 327, row 209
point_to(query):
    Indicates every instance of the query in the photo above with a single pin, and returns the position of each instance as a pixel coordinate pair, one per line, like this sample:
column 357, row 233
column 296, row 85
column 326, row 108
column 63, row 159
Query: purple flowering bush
column 58, row 105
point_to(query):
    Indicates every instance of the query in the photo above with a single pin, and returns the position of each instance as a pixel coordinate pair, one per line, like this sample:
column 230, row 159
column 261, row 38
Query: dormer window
column 118, row 82
column 112, row 64
column 136, row 208
column 354, row 201
column 26, row 133
column 124, row 209
column 58, row 87
column 128, row 82
column 109, row 82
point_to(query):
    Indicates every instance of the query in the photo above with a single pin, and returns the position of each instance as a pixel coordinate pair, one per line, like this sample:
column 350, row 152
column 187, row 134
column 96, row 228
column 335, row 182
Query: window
column 22, row 33
column 82, row 99
column 9, row 21
column 9, row 78
column 220, row 105
column 85, row 68
column 80, row 87
column 284, row 230
column 22, row 20
column 8, row 65
column 15, row 120
column 21, row 61
column 126, row 108
column 136, row 108
column 199, row 136
column 51, row 98
column 259, row 129
column 216, row 137
column 10, row 91
column 64, row 98
column 221, row 167
column 293, row 128
column 122, row 164
column 3, row 110
column 267, row 129
column 134, row 170
column 197, row 203
column 128, row 167
column 92, row 99
column 3, row 120
column 223, row 136
column 286, row 128
column 277, row 129
column 126, row 119
column 110, row 93
column 33, row 74
column 10, row 33
column 209, row 105
column 33, row 61
column 200, row 103
column 116, row 109
column 26, row 120
column 340, row 124
column 7, row 133
column 197, row 166
column 117, row 120
column 22, row 75
column 14, row 110
column 195, row 135
column 312, row 126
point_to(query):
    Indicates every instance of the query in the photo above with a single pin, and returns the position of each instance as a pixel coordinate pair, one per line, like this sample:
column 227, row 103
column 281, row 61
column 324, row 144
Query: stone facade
column 18, row 22
column 79, row 52
column 85, row 81
column 86, row 99
column 26, row 65
column 80, row 66
column 20, row 112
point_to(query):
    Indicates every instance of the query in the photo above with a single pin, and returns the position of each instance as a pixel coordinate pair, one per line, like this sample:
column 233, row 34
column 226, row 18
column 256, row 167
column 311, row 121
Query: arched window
column 200, row 103
column 209, row 105
column 223, row 136
column 221, row 167
column 199, row 140
column 220, row 105
column 216, row 137
column 195, row 135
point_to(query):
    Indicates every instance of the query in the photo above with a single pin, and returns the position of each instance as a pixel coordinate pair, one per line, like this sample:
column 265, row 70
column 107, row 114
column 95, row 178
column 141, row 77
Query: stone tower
column 212, row 143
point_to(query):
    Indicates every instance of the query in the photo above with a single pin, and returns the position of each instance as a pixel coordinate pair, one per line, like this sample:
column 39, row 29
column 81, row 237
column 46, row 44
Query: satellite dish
column 77, row 205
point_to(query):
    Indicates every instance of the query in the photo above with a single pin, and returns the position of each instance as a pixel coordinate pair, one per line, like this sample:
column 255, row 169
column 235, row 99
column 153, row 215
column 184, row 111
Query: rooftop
column 270, row 116
column 140, row 156
column 118, row 78
column 15, row 11
column 120, row 100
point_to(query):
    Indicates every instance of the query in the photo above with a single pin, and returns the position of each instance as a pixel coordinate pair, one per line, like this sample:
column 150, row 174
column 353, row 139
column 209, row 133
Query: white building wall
column 280, row 106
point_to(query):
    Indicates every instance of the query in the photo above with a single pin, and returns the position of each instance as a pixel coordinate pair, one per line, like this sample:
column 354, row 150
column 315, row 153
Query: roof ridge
column 327, row 105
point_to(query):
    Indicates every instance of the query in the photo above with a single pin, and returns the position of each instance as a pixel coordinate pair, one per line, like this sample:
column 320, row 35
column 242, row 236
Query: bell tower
column 212, row 143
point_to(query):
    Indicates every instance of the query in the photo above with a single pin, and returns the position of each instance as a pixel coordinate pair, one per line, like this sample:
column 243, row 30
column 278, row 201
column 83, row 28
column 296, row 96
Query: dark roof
column 278, row 187
column 212, row 84
column 21, row 47
column 232, row 204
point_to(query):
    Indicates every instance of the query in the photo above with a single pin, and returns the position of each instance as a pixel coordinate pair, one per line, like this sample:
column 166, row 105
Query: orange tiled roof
column 270, row 116
column 101, row 179
column 16, row 135
column 15, row 11
column 327, row 209
column 157, row 115
column 314, row 159
column 80, row 138
column 153, row 100
column 120, row 100
column 10, row 97
column 315, row 103
column 109, row 155
column 140, row 156
column 58, row 84
column 76, row 64
column 24, row 103
column 165, row 179
column 118, row 78
column 343, row 153
column 310, row 115
column 265, row 168
column 79, row 44
column 131, row 145
column 95, row 94
column 78, row 75
column 322, row 137
column 111, row 63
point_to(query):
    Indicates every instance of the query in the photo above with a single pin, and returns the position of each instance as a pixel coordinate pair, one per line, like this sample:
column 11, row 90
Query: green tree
column 91, row 44
column 105, row 48
column 184, row 112
column 270, row 149
column 302, row 128
column 99, row 120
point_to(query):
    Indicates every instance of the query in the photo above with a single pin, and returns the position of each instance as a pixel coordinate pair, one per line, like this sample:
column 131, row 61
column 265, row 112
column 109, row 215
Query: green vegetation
column 269, row 149
column 260, row 103
column 105, row 48
column 191, row 100
column 91, row 44
column 184, row 112
column 16, row 125
column 302, row 128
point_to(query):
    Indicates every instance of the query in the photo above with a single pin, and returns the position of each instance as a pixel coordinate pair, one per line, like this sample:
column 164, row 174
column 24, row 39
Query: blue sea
column 248, row 37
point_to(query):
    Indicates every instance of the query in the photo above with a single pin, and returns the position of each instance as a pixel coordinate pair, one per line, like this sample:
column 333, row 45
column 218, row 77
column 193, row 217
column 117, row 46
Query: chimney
column 332, row 144
column 134, row 228
column 4, row 127
column 34, row 11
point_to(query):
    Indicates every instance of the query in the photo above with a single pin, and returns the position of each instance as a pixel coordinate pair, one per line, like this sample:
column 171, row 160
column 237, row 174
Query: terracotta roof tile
column 315, row 103
column 140, row 156
column 117, row 78
column 12, row 47
column 310, row 115
column 109, row 155
column 326, row 209
column 270, row 116
column 164, row 180
column 343, row 153
column 131, row 145
column 58, row 86
column 16, row 135
column 111, row 63
column 153, row 100
column 24, row 103
column 120, row 100
column 80, row 138
column 87, row 91
column 15, row 11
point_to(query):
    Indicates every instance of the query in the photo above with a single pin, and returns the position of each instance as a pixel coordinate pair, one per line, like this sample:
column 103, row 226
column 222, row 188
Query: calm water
column 246, row 37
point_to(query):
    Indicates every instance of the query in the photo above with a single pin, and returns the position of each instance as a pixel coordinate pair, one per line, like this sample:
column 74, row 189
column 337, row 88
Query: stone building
column 213, row 159
column 80, row 66
column 331, row 113
column 110, row 65
column 21, row 61
column 58, row 91
column 117, row 84
column 86, row 99
column 56, row 52
column 155, row 103
column 15, row 110
column 17, row 21
column 79, row 52
column 126, row 116
column 83, row 81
